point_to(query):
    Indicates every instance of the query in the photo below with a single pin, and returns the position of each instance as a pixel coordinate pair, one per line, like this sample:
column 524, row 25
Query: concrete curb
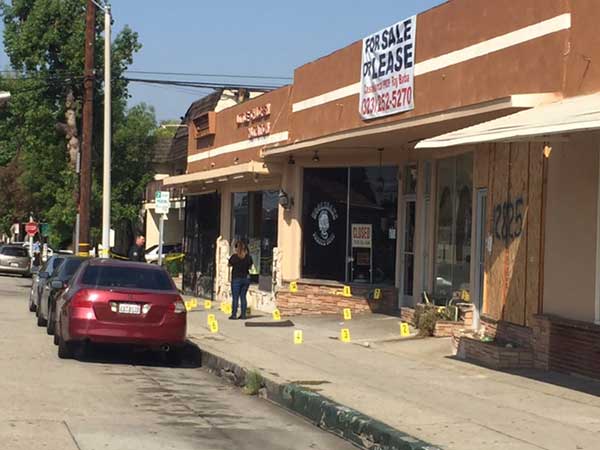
column 363, row 431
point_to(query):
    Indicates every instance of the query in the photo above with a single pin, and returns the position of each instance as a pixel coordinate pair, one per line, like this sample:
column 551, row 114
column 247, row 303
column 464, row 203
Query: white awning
column 254, row 168
column 549, row 121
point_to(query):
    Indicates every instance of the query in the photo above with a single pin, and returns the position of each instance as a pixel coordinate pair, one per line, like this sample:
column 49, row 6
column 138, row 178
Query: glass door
column 408, row 249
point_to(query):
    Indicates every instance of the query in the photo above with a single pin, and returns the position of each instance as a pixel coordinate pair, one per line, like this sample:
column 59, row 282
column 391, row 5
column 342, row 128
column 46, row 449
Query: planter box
column 492, row 355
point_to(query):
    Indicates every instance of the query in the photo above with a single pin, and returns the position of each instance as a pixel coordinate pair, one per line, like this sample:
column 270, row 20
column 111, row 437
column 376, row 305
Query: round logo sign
column 324, row 214
column 31, row 228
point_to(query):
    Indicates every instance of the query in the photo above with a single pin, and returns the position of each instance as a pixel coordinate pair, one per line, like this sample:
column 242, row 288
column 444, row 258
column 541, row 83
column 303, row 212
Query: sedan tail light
column 177, row 306
column 82, row 299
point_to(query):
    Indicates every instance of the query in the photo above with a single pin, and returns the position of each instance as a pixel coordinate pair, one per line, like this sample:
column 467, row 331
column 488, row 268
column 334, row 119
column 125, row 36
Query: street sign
column 31, row 228
column 45, row 229
column 162, row 202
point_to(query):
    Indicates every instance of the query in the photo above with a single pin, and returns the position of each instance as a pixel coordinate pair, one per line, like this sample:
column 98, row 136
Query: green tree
column 44, row 40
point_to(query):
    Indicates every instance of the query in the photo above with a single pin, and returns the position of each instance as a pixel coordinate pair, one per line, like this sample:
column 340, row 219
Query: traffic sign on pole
column 162, row 202
column 31, row 228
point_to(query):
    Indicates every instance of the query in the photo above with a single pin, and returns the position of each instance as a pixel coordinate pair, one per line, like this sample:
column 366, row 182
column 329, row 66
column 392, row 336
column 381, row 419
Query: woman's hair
column 240, row 246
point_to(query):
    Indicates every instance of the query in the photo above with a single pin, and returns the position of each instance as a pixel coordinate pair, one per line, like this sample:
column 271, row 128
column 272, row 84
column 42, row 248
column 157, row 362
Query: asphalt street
column 125, row 401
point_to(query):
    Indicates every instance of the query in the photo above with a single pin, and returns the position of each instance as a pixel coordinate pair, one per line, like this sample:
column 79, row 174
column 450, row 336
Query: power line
column 200, row 84
column 210, row 75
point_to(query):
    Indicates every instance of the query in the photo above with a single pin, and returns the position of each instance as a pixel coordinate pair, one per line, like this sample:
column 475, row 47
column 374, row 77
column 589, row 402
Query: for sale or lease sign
column 388, row 66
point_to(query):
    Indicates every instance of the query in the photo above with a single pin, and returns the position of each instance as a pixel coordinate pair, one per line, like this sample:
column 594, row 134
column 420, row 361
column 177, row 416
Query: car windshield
column 68, row 268
column 130, row 277
column 15, row 251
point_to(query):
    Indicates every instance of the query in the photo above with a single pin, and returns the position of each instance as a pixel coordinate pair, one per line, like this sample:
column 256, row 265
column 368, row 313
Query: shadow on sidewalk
column 576, row 383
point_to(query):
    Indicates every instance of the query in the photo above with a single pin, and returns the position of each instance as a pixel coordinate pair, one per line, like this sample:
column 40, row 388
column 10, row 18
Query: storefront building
column 352, row 172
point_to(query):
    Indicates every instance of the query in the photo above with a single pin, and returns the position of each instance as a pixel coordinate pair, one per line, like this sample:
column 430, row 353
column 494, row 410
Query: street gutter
column 361, row 430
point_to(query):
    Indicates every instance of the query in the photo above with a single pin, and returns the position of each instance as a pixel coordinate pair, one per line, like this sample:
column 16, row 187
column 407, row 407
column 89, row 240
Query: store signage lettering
column 255, row 114
column 508, row 220
column 362, row 235
column 387, row 70
column 250, row 119
column 324, row 214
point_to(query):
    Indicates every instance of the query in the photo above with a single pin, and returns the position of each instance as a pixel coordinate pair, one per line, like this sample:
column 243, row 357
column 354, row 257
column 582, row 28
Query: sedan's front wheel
column 50, row 324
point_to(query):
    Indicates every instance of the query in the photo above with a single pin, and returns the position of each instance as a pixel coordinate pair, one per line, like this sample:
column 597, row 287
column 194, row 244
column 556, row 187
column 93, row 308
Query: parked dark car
column 15, row 259
column 118, row 302
column 58, row 280
column 39, row 280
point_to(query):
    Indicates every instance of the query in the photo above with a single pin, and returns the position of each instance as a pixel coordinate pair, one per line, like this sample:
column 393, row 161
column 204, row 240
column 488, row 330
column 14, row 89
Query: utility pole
column 85, row 176
column 106, row 181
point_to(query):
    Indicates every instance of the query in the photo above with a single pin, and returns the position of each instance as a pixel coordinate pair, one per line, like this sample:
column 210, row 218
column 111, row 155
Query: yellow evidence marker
column 207, row 304
column 347, row 314
column 377, row 294
column 404, row 329
column 293, row 287
column 298, row 337
column 194, row 303
column 210, row 318
column 345, row 335
column 347, row 292
column 276, row 315
column 214, row 326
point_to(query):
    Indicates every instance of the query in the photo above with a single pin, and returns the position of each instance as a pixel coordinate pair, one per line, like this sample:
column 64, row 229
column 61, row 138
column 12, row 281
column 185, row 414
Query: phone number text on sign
column 387, row 70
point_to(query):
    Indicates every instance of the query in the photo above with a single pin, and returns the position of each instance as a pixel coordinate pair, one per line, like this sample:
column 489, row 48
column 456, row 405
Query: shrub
column 254, row 382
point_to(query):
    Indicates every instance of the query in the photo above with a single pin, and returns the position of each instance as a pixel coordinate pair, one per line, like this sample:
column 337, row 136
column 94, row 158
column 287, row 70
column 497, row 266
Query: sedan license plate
column 14, row 264
column 129, row 308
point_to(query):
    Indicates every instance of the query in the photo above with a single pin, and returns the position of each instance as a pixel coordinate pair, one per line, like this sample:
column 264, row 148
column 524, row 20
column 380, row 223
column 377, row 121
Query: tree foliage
column 45, row 40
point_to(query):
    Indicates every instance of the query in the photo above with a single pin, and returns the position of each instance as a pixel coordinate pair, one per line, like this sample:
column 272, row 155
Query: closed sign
column 362, row 235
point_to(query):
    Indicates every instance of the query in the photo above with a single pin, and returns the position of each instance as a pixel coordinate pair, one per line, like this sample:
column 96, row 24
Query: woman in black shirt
column 240, row 263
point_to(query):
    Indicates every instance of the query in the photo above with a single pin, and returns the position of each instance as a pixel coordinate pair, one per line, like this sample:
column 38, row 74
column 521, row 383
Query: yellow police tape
column 174, row 257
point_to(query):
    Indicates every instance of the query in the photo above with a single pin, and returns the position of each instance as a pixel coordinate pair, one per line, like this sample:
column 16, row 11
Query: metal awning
column 231, row 173
column 546, row 122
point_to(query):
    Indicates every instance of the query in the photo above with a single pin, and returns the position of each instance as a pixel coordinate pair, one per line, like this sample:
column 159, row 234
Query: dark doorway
column 202, row 225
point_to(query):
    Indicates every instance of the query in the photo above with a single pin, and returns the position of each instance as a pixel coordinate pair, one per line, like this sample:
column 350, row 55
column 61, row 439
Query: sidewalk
column 414, row 385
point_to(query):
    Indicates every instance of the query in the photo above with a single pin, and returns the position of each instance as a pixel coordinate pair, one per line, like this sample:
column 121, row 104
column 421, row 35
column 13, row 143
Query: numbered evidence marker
column 188, row 305
column 404, row 329
column 276, row 315
column 210, row 318
column 293, row 287
column 207, row 304
column 345, row 335
column 377, row 294
column 298, row 337
column 347, row 314
column 214, row 326
column 194, row 303
column 347, row 292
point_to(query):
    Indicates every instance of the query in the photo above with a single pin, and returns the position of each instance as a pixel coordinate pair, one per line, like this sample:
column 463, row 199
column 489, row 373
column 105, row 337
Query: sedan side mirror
column 57, row 284
column 44, row 275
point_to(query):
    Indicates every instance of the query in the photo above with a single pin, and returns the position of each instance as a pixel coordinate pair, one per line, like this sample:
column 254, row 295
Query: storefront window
column 453, row 231
column 349, row 224
column 254, row 221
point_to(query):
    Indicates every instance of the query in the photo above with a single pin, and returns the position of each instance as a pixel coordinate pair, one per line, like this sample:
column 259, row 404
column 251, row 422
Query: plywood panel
column 515, row 240
column 534, row 231
column 496, row 287
column 481, row 166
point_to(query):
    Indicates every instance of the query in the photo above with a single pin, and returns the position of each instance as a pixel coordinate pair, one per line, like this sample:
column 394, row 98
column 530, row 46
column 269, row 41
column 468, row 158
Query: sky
column 264, row 38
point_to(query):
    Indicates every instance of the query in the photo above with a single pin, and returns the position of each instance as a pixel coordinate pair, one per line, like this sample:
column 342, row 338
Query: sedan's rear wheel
column 65, row 349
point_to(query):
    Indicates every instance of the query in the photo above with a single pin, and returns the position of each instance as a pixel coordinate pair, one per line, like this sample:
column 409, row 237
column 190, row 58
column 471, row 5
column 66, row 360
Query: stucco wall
column 570, row 241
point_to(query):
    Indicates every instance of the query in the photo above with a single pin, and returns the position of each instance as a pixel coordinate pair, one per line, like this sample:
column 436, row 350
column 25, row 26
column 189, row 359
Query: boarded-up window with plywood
column 205, row 125
column 514, row 229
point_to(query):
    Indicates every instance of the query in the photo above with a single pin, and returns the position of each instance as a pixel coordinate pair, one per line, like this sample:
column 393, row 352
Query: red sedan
column 115, row 302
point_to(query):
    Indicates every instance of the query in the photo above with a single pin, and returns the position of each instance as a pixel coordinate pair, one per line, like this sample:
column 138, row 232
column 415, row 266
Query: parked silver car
column 15, row 259
column 40, row 279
